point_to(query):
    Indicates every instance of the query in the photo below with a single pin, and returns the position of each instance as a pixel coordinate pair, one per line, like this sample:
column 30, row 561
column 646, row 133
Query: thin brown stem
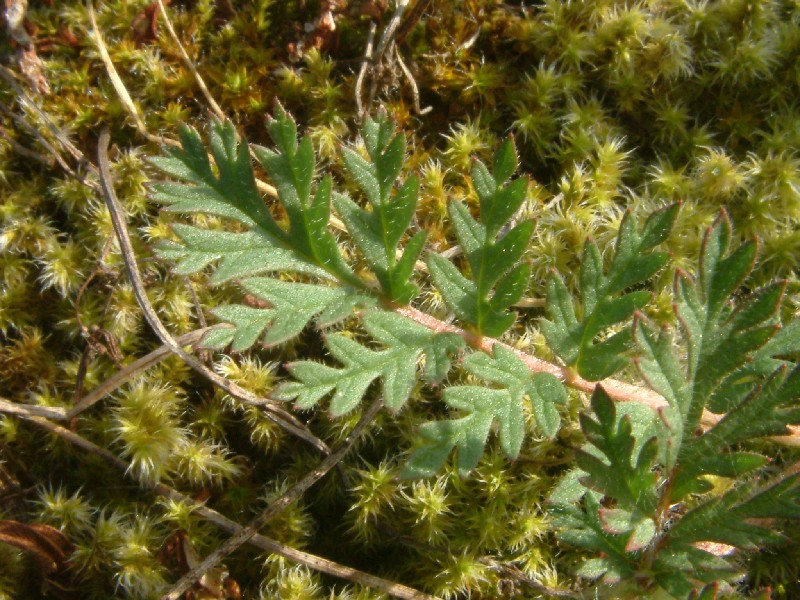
column 190, row 63
column 102, row 390
column 119, row 86
column 387, row 37
column 412, row 82
column 287, row 498
column 365, row 66
column 131, row 370
column 619, row 391
column 273, row 412
column 30, row 410
column 412, row 18
column 312, row 561
column 22, row 150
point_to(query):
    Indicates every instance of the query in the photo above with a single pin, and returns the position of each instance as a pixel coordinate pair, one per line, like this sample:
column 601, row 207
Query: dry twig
column 318, row 563
column 119, row 87
column 287, row 498
column 385, row 54
column 275, row 413
column 619, row 391
column 128, row 372
column 104, row 389
column 190, row 64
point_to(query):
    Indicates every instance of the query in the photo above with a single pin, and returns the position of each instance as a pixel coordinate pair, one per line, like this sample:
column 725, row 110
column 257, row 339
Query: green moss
column 613, row 106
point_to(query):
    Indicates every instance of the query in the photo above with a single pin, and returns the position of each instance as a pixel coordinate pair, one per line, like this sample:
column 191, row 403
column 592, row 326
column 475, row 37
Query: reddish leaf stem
column 619, row 391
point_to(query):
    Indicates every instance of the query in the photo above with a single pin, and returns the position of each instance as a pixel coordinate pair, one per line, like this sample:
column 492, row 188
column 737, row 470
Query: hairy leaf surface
column 378, row 232
column 484, row 407
column 732, row 343
column 396, row 365
column 574, row 339
column 497, row 278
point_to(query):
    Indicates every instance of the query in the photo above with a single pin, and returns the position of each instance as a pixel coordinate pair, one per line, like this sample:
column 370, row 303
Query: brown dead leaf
column 321, row 32
column 214, row 585
column 21, row 32
column 45, row 544
column 144, row 27
column 373, row 9
column 67, row 37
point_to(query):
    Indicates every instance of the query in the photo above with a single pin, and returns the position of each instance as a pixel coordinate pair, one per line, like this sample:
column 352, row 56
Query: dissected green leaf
column 731, row 464
column 762, row 362
column 458, row 291
column 292, row 307
column 485, row 185
column 595, row 568
column 377, row 232
column 659, row 365
column 545, row 391
column 366, row 235
column 621, row 473
column 469, row 433
column 623, row 501
column 504, row 163
column 732, row 518
column 394, row 330
column 499, row 258
column 642, row 534
column 727, row 344
column 228, row 189
column 641, row 529
column 403, row 269
column 239, row 254
column 563, row 329
column 219, row 337
column 292, row 167
column 231, row 193
column 405, row 342
column 485, row 406
column 681, row 570
column 766, row 411
column 470, row 233
column 396, row 367
column 364, row 173
column 576, row 340
column 499, row 202
column 720, row 340
column 658, row 226
column 721, row 274
column 662, row 371
column 581, row 526
column 493, row 248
